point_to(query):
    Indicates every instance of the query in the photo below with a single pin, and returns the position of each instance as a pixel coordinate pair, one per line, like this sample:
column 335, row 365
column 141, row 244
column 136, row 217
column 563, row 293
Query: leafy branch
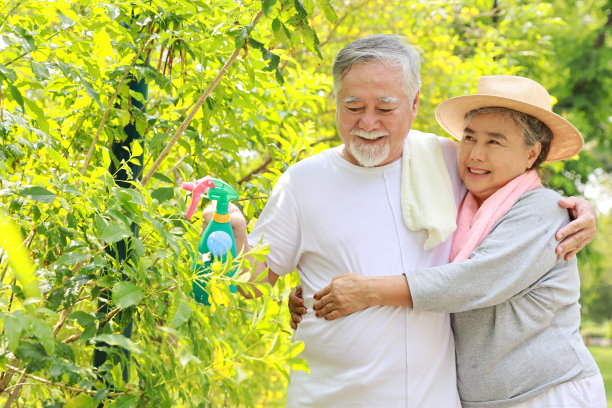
column 108, row 109
column 179, row 132
column 63, row 386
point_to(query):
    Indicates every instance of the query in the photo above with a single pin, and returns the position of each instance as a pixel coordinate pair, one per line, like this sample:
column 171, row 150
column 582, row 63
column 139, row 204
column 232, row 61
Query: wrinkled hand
column 578, row 233
column 296, row 306
column 346, row 294
column 237, row 221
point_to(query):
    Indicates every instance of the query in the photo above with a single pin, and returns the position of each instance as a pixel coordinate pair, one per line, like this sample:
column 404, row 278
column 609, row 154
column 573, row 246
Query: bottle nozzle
column 197, row 188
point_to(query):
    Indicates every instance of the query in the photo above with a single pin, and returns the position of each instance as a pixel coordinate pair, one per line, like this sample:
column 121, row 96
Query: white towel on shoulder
column 427, row 194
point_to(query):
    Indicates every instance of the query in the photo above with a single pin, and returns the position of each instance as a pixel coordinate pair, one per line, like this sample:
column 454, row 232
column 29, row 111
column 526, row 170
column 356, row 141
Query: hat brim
column 567, row 140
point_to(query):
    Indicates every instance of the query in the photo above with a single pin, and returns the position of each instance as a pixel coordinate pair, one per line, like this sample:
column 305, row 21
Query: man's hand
column 237, row 220
column 578, row 233
column 296, row 306
column 346, row 294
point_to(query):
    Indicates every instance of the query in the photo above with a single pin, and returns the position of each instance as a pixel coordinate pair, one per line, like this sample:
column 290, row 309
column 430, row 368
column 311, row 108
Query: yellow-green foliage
column 65, row 68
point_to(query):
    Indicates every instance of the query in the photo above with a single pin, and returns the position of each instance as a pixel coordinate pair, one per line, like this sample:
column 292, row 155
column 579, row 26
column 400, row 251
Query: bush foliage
column 105, row 108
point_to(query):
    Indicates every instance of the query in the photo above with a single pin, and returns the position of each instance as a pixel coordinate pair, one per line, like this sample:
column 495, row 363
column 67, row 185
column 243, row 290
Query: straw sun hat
column 517, row 93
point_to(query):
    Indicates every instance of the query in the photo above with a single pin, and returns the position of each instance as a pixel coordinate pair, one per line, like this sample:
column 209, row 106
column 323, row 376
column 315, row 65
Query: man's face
column 373, row 114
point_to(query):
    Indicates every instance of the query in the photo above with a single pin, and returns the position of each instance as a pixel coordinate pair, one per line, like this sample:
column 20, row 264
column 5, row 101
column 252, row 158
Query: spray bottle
column 218, row 237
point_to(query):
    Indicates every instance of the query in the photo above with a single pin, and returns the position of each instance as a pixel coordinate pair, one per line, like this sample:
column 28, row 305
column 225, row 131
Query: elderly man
column 340, row 211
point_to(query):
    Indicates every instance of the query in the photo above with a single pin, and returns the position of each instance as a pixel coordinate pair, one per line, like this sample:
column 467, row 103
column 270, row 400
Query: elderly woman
column 515, row 305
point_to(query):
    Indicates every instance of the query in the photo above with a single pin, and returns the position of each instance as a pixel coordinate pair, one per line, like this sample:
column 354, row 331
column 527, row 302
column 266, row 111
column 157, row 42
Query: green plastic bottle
column 217, row 239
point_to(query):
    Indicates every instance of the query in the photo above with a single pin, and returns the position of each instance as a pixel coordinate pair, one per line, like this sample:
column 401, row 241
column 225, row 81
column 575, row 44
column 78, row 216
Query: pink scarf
column 474, row 223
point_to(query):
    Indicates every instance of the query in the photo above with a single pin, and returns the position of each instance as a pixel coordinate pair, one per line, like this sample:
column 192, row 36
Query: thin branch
column 3, row 275
column 7, row 376
column 259, row 169
column 600, row 40
column 17, row 390
column 8, row 13
column 263, row 166
column 59, row 385
column 78, row 127
column 62, row 320
column 195, row 109
column 178, row 163
column 350, row 11
column 75, row 337
column 107, row 111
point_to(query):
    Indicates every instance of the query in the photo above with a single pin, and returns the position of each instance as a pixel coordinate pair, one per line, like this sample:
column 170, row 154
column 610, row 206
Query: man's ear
column 415, row 101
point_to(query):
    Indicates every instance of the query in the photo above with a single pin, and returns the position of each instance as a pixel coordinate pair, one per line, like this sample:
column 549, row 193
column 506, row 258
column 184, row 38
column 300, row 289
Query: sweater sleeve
column 518, row 251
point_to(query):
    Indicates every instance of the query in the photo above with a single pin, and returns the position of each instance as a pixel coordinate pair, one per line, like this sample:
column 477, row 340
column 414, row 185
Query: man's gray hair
column 388, row 48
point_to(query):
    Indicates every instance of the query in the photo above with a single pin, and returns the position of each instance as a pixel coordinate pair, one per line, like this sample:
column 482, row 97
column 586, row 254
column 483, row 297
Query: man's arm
column 350, row 293
column 239, row 226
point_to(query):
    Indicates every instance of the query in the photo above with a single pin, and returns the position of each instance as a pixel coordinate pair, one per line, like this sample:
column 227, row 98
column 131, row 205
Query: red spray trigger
column 197, row 188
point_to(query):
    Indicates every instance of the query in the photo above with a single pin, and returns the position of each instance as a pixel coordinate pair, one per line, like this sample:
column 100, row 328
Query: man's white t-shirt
column 327, row 217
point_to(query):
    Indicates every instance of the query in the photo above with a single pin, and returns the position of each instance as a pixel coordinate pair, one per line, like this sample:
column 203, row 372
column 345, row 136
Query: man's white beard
column 369, row 155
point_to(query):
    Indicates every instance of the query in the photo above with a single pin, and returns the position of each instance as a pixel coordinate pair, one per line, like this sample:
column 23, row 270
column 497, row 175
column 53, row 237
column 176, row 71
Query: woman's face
column 491, row 153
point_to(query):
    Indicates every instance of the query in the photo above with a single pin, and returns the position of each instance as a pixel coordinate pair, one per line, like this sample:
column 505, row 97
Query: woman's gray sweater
column 515, row 308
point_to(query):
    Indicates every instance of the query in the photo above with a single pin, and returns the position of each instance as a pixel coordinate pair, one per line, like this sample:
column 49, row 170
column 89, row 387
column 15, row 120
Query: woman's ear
column 533, row 154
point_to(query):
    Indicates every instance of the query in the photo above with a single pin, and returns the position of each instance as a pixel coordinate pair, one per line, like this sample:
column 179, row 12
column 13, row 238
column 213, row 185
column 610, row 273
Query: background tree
column 239, row 90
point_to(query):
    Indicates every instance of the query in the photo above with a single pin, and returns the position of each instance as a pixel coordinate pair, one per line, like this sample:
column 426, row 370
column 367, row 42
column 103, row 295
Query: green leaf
column 37, row 193
column 40, row 71
column 72, row 258
column 42, row 122
column 64, row 351
column 13, row 326
column 276, row 25
column 273, row 59
column 126, row 294
column 279, row 76
column 44, row 310
column 183, row 313
column 119, row 340
column 185, row 357
column 16, row 95
column 139, row 248
column 162, row 177
column 65, row 68
column 255, row 44
column 267, row 6
column 141, row 125
column 124, row 401
column 328, row 11
column 299, row 364
column 312, row 41
column 31, row 352
column 163, row 194
column 43, row 332
column 91, row 92
column 8, row 73
column 80, row 401
column 299, row 7
column 67, row 22
column 287, row 33
column 240, row 37
column 100, row 395
column 130, row 199
column 158, row 138
column 88, row 332
column 113, row 12
column 308, row 6
column 115, row 231
column 84, row 319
